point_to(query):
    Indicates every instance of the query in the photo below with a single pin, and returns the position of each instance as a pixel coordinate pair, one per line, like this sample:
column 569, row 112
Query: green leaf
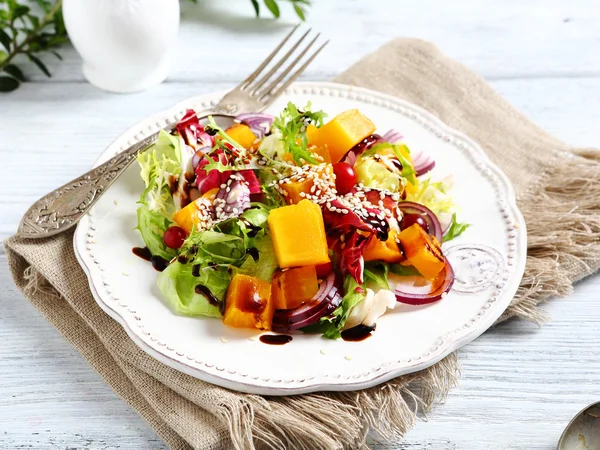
column 455, row 229
column 13, row 70
column 178, row 285
column 299, row 11
column 3, row 56
column 34, row 59
column 20, row 11
column 35, row 21
column 377, row 272
column 256, row 7
column 272, row 5
column 5, row 39
column 404, row 271
column 8, row 84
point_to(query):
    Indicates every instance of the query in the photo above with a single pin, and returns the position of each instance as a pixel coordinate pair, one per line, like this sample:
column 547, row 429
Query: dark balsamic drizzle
column 253, row 252
column 275, row 339
column 158, row 263
column 253, row 228
column 196, row 270
column 142, row 252
column 203, row 290
column 357, row 333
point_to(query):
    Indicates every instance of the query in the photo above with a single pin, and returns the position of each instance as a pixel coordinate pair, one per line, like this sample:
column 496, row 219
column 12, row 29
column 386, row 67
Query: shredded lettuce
column 152, row 226
column 178, row 284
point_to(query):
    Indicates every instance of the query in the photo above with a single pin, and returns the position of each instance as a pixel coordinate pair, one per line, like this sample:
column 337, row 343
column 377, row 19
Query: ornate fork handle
column 62, row 208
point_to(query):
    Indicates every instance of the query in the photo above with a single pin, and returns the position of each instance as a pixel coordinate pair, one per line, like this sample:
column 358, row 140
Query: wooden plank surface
column 520, row 384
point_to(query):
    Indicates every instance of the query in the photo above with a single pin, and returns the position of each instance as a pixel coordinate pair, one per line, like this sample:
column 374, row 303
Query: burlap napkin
column 558, row 191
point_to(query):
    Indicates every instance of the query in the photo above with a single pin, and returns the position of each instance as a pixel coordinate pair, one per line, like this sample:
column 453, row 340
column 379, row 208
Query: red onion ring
column 423, row 167
column 259, row 123
column 428, row 215
column 438, row 289
column 324, row 302
column 392, row 136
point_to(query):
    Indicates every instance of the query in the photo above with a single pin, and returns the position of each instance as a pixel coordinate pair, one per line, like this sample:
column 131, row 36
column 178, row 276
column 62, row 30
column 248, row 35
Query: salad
column 294, row 223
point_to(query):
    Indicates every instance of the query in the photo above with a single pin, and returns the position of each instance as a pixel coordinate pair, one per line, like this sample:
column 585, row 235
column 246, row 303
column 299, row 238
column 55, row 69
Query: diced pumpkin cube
column 323, row 176
column 242, row 134
column 342, row 133
column 388, row 251
column 196, row 213
column 298, row 234
column 322, row 153
column 248, row 303
column 310, row 131
column 291, row 288
column 422, row 251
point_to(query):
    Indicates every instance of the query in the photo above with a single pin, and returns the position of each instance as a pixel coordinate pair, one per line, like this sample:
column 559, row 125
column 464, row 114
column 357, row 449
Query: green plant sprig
column 22, row 32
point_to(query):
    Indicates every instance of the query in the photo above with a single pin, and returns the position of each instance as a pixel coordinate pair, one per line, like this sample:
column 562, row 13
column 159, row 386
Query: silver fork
column 62, row 208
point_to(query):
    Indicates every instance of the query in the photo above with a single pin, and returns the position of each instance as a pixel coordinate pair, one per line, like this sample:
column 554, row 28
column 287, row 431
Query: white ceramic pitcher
column 125, row 44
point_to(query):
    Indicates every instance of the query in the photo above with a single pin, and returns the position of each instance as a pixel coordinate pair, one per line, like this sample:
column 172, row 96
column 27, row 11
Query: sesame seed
column 348, row 357
column 116, row 202
column 223, row 186
column 224, row 340
column 323, row 352
column 342, row 238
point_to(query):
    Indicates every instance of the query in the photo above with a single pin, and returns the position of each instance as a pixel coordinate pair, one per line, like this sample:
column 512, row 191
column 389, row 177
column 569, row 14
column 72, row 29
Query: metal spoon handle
column 62, row 208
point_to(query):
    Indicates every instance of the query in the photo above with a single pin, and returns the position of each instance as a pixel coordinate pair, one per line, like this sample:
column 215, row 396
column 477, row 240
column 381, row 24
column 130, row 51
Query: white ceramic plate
column 489, row 260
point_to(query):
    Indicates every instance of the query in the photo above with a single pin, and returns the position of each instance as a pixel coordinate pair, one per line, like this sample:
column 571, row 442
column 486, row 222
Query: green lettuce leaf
column 178, row 284
column 152, row 226
column 266, row 265
column 405, row 271
column 377, row 272
column 455, row 229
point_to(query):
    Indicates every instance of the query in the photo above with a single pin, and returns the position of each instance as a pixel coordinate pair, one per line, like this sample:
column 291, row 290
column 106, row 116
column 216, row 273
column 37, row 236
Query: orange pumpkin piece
column 298, row 234
column 291, row 288
column 388, row 251
column 304, row 184
column 242, row 134
column 422, row 251
column 248, row 303
column 342, row 133
column 197, row 212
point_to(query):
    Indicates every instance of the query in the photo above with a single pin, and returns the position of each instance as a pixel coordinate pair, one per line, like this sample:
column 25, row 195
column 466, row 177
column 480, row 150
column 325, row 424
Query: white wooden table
column 520, row 384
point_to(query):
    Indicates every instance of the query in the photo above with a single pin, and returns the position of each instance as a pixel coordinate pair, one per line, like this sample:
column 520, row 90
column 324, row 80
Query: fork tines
column 273, row 83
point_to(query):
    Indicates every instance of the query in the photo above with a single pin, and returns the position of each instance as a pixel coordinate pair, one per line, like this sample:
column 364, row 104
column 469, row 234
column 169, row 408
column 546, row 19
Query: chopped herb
column 292, row 124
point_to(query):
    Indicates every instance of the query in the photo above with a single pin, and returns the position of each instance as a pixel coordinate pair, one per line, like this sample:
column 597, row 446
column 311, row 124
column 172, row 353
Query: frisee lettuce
column 158, row 164
column 291, row 124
